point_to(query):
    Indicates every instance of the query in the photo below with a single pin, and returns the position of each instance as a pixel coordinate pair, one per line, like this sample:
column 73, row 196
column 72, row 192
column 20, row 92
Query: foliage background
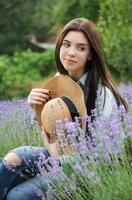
column 21, row 68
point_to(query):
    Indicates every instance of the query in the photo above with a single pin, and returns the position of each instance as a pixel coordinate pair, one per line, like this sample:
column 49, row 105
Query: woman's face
column 74, row 53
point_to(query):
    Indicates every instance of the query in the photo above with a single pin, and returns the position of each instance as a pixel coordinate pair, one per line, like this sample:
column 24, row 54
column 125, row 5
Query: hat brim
column 63, row 85
column 54, row 110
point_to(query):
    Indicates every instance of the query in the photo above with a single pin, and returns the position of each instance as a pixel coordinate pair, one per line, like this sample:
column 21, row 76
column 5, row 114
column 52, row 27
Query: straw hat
column 67, row 101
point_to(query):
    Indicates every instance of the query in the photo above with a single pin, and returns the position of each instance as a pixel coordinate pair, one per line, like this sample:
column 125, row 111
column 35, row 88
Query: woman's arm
column 53, row 148
column 107, row 102
column 40, row 96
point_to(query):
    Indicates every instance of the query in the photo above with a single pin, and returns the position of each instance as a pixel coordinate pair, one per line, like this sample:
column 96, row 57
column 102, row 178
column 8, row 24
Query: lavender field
column 97, row 173
column 17, row 126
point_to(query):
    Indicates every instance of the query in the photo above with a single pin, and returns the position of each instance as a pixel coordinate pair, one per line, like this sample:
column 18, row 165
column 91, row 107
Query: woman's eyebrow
column 66, row 41
column 77, row 43
column 82, row 44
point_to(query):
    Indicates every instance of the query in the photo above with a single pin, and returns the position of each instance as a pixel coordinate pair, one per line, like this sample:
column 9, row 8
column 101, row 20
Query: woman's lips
column 71, row 61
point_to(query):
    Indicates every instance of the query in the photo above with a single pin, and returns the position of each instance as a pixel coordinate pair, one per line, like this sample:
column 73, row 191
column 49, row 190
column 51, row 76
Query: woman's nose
column 71, row 51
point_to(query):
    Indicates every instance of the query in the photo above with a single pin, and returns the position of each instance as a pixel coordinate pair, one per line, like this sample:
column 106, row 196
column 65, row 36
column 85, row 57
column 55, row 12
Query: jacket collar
column 83, row 79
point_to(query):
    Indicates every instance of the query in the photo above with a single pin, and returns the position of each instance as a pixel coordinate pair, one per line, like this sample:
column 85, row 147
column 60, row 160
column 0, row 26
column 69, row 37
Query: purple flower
column 129, row 134
column 78, row 168
column 39, row 193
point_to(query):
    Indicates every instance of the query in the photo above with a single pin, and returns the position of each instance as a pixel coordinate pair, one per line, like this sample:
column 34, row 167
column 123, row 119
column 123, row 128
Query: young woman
column 78, row 54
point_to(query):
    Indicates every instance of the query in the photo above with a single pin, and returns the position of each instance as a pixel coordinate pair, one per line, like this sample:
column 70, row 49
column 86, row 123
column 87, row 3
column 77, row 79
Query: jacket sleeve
column 106, row 101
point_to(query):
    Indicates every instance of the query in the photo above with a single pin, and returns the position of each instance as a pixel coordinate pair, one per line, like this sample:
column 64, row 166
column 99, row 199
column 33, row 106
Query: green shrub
column 74, row 9
column 115, row 29
column 20, row 19
column 20, row 71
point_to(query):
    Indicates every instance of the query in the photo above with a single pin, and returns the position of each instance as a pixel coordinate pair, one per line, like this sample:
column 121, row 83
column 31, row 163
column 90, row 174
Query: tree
column 20, row 18
column 65, row 10
column 116, row 30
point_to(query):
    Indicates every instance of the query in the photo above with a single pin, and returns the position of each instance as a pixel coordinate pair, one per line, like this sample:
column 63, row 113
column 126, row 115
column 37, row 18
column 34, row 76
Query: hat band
column 73, row 111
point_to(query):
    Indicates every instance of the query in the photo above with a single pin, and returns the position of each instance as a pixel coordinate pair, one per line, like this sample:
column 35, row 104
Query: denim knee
column 26, row 190
column 15, row 194
column 12, row 195
column 8, row 179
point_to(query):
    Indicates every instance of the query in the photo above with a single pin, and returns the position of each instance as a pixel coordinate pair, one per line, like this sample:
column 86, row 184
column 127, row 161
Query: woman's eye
column 66, row 44
column 81, row 48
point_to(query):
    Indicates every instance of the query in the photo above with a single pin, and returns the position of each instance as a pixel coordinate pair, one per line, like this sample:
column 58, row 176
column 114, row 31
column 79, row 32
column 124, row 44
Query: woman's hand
column 51, row 147
column 38, row 96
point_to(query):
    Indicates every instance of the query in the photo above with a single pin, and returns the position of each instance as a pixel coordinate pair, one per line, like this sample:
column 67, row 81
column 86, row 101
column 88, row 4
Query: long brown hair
column 98, row 71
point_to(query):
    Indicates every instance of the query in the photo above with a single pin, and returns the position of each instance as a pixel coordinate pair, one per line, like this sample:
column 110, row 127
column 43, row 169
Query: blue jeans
column 19, row 183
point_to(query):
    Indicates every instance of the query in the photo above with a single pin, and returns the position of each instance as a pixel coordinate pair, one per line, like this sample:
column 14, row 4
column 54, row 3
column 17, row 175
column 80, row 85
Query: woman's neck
column 76, row 77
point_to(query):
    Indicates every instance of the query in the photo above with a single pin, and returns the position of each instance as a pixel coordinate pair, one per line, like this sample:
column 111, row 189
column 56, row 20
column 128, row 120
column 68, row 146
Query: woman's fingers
column 33, row 102
column 40, row 90
column 38, row 96
column 40, row 93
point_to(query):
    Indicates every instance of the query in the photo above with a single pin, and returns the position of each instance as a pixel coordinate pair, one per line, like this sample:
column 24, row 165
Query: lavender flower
column 39, row 193
column 103, row 143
